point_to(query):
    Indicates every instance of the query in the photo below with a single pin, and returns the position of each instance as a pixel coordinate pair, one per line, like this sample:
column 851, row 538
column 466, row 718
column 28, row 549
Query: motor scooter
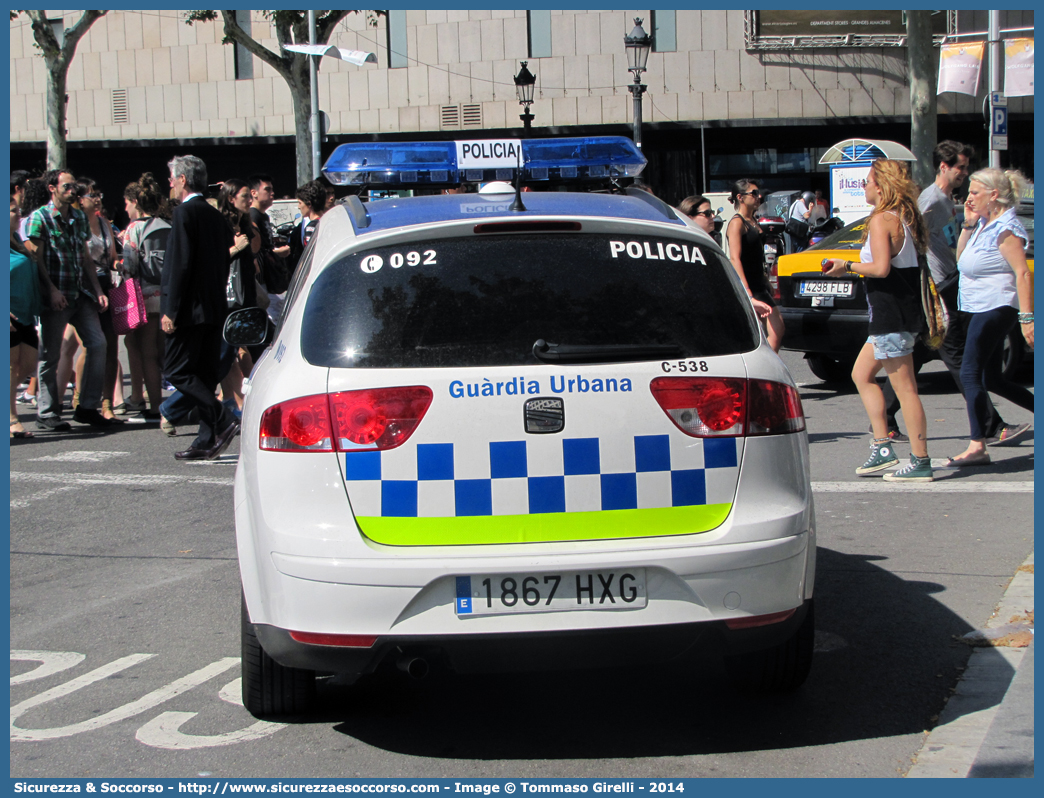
column 823, row 228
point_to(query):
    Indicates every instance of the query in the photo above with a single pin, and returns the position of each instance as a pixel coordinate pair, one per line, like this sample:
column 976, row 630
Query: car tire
column 779, row 669
column 1012, row 354
column 271, row 689
column 830, row 369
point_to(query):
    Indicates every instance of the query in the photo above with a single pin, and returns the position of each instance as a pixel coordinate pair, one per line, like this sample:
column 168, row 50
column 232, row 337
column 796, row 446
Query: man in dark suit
column 194, row 305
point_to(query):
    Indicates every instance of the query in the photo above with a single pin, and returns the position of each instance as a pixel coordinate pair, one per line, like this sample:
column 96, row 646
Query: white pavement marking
column 163, row 732
column 940, row 486
column 79, row 481
column 40, row 495
column 118, row 479
column 51, row 662
column 78, row 457
column 146, row 702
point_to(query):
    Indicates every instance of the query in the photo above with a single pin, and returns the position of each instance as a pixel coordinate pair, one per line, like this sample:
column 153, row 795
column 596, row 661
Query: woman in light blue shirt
column 996, row 290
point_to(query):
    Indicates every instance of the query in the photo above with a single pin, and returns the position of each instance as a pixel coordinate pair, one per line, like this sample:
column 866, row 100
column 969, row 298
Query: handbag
column 797, row 229
column 127, row 306
column 235, row 292
column 935, row 313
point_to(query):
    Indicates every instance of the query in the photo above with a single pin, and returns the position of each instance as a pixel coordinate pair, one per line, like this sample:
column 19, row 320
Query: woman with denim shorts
column 895, row 233
column 996, row 291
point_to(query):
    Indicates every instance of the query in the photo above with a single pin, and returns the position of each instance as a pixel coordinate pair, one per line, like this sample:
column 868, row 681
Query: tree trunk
column 923, row 100
column 301, row 91
column 56, row 138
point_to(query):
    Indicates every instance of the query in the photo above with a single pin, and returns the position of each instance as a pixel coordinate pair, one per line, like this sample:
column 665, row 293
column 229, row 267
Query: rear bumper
column 535, row 651
column 838, row 333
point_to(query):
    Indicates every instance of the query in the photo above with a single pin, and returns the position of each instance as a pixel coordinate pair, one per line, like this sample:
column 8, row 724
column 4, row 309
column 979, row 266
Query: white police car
column 505, row 431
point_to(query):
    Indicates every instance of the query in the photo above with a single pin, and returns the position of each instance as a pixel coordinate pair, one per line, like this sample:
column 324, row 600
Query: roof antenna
column 517, row 204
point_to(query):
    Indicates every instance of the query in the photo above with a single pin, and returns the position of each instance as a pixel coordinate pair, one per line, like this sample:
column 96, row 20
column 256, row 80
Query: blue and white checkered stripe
column 541, row 475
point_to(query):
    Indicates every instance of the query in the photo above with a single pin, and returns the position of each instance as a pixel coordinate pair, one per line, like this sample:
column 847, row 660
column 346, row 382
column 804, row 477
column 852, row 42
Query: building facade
column 722, row 102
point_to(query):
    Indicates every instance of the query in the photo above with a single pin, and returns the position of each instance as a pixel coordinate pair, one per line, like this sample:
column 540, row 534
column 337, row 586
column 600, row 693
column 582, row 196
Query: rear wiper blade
column 603, row 353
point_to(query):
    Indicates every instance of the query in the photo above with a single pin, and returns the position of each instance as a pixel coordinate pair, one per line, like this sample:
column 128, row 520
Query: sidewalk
column 986, row 729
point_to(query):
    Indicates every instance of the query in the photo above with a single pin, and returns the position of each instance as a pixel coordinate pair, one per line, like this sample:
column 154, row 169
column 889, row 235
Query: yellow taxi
column 826, row 317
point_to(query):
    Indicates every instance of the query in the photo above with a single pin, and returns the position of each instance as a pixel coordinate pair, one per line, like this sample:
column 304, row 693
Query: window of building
column 243, row 61
column 58, row 28
column 539, row 25
column 397, row 38
column 664, row 31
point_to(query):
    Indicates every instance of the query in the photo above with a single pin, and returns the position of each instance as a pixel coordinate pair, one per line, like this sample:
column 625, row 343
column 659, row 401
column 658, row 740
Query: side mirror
column 246, row 327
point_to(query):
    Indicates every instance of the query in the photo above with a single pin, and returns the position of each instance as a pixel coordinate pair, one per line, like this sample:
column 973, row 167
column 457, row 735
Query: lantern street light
column 638, row 44
column 524, row 83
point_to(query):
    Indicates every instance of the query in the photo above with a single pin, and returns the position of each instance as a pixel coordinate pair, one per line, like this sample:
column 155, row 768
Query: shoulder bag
column 935, row 314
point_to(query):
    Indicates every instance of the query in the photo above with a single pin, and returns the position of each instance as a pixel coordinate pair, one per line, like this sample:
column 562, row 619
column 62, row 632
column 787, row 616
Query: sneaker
column 83, row 415
column 882, row 456
column 895, row 435
column 128, row 407
column 26, row 399
column 53, row 423
column 1009, row 435
column 919, row 469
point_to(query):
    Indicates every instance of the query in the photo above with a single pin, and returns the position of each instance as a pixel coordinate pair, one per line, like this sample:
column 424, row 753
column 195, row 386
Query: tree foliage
column 57, row 58
column 291, row 27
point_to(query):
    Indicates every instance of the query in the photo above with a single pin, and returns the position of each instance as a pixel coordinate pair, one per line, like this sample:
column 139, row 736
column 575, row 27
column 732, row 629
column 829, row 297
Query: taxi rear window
column 485, row 300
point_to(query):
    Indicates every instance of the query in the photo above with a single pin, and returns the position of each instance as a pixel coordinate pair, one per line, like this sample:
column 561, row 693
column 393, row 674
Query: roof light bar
column 433, row 163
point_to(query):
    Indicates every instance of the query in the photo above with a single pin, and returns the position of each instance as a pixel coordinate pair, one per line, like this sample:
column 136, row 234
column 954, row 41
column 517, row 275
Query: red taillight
column 298, row 425
column 376, row 418
column 759, row 620
column 774, row 408
column 345, row 641
column 707, row 407
column 703, row 406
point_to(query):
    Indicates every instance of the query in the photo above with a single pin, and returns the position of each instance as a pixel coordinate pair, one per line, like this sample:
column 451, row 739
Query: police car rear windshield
column 485, row 300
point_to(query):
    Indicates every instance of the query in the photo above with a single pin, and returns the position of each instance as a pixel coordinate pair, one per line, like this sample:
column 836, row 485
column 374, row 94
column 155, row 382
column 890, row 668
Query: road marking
column 40, row 495
column 51, row 662
column 78, row 457
column 940, row 486
column 79, row 481
column 118, row 479
column 164, row 730
column 146, row 702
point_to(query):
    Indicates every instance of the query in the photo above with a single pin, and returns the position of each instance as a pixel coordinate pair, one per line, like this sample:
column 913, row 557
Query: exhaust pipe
column 416, row 667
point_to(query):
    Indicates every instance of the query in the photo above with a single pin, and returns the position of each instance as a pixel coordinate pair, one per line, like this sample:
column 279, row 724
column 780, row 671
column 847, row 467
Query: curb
column 951, row 748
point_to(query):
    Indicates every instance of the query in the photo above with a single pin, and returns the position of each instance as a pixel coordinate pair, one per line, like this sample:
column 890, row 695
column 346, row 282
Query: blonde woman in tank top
column 895, row 233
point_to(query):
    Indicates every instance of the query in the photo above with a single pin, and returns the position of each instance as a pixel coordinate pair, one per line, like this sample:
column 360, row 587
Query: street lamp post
column 638, row 44
column 525, row 81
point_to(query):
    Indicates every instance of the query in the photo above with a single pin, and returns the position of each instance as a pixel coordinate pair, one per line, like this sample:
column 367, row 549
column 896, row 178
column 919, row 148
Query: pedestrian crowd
column 164, row 284
column 167, row 282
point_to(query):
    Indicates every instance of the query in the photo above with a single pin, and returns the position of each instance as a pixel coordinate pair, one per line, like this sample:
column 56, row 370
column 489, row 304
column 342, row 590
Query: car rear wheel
column 830, row 369
column 781, row 668
column 269, row 688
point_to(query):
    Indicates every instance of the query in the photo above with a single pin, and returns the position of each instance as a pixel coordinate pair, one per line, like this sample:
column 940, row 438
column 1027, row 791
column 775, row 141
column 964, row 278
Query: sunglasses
column 708, row 213
column 754, row 193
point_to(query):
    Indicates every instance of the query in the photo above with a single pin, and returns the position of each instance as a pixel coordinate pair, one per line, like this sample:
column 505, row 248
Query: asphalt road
column 125, row 632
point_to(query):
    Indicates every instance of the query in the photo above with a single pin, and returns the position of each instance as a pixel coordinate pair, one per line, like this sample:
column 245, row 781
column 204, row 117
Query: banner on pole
column 1018, row 67
column 959, row 67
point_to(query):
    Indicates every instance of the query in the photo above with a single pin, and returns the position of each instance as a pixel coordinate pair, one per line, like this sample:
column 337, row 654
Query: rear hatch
column 499, row 388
